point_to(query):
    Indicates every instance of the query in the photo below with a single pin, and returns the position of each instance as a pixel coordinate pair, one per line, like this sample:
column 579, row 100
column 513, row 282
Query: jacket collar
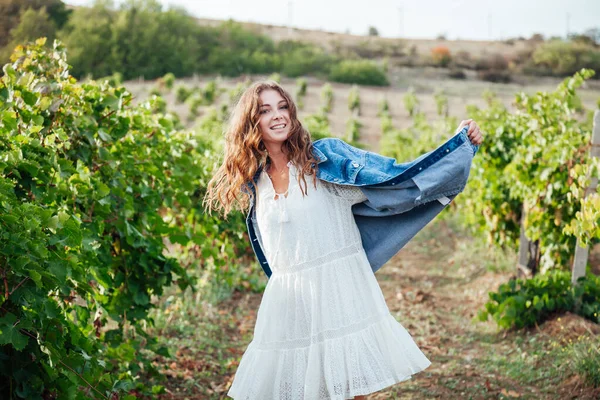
column 319, row 154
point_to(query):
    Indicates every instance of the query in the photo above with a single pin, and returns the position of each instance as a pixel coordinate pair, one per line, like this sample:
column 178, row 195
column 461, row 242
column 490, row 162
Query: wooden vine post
column 581, row 253
column 529, row 253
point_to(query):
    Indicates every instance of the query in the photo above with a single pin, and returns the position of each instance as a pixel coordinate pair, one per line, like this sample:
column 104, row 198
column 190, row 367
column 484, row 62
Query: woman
column 323, row 329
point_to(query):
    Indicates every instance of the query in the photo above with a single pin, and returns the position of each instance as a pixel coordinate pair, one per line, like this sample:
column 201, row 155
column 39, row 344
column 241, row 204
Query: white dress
column 323, row 329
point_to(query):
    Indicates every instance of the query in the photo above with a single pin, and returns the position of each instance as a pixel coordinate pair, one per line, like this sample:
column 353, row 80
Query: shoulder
column 327, row 147
column 330, row 142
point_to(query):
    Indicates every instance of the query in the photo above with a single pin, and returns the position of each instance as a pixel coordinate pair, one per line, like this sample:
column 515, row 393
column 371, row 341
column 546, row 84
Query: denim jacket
column 401, row 197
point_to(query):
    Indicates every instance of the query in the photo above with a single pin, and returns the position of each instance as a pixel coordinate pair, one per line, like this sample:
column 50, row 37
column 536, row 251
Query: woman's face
column 274, row 118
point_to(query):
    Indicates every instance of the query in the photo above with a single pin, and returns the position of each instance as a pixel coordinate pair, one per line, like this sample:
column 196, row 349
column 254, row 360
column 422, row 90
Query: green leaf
column 29, row 98
column 38, row 120
column 9, row 332
column 141, row 298
column 158, row 389
column 9, row 119
column 45, row 103
column 52, row 308
column 104, row 136
column 60, row 270
column 163, row 351
column 36, row 277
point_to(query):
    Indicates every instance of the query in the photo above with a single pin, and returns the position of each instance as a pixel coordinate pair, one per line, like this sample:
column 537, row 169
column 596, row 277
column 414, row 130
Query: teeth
column 278, row 126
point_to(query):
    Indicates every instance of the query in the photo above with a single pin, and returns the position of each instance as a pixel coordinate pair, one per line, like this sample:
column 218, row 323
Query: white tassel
column 283, row 214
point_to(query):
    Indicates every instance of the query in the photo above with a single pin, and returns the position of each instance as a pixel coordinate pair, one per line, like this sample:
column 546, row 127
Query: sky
column 456, row 19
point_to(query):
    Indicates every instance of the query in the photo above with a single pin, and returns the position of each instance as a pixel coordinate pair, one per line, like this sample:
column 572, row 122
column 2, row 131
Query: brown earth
column 434, row 289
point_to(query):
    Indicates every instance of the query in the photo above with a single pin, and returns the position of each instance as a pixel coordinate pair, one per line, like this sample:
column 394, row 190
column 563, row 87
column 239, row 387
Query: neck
column 279, row 158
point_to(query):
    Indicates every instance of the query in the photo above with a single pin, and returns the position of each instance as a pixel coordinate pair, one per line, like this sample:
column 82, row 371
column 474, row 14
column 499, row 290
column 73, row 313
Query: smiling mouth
column 279, row 126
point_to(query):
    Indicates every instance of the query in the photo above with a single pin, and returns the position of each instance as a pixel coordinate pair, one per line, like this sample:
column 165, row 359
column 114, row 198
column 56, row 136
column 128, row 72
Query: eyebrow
column 268, row 105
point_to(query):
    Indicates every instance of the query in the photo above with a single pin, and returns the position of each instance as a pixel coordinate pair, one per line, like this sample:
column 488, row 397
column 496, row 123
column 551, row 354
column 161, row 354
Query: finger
column 466, row 123
column 473, row 127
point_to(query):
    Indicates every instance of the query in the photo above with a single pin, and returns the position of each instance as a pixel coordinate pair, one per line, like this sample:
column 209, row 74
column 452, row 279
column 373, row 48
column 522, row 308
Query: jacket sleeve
column 383, row 237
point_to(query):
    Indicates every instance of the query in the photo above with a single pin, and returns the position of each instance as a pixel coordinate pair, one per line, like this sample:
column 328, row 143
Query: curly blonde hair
column 245, row 152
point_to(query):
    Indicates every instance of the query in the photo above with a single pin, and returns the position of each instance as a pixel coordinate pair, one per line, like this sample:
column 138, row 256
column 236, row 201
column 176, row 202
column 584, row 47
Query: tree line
column 140, row 39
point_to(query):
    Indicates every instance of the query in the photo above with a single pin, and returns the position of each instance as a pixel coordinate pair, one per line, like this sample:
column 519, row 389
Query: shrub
column 493, row 61
column 526, row 302
column 536, row 38
column 318, row 126
column 463, row 59
column 353, row 130
column 561, row 58
column 441, row 102
column 441, row 56
column 210, row 92
column 301, row 86
column 303, row 59
column 457, row 74
column 194, row 101
column 327, row 98
column 85, row 184
column 155, row 90
column 372, row 48
column 114, row 80
column 385, row 64
column 411, row 102
column 384, row 107
column 168, row 80
column 354, row 100
column 235, row 92
column 182, row 93
column 360, row 72
column 275, row 77
column 373, row 31
column 494, row 76
column 518, row 165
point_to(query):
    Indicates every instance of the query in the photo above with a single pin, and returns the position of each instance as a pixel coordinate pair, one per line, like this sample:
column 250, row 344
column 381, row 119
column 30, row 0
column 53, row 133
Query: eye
column 285, row 107
column 263, row 111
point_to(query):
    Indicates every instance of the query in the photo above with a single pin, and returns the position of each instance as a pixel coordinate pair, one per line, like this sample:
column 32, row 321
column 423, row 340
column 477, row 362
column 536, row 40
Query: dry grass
column 423, row 46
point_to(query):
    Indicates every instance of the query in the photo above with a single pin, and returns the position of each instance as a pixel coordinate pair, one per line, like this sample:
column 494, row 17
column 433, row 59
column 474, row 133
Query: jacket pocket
column 351, row 168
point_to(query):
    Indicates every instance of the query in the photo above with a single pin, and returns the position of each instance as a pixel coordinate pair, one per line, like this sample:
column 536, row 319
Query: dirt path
column 433, row 287
column 435, row 300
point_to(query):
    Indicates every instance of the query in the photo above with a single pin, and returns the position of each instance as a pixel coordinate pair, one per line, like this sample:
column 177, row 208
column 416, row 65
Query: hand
column 474, row 133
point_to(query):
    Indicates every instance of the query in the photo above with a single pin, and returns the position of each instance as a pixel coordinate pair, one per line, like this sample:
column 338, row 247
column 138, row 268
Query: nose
column 276, row 114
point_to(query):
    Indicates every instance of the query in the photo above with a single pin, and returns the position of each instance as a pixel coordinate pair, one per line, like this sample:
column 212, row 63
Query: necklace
column 282, row 172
